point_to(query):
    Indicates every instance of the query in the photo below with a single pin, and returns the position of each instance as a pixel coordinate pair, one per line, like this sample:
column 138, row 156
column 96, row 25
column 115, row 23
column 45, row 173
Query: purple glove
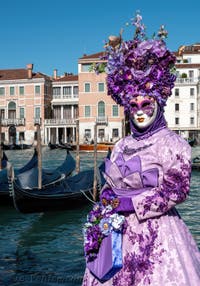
column 125, row 205
column 119, row 203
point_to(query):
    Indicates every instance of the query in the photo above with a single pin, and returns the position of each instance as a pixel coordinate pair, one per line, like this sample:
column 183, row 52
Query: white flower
column 117, row 221
column 87, row 224
column 107, row 209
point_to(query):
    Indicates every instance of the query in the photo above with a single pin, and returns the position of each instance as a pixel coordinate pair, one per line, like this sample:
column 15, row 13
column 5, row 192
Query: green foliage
column 184, row 75
column 98, row 67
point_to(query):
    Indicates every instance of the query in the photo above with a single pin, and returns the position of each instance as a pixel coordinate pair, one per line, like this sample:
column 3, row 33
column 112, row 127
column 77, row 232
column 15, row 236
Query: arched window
column 11, row 110
column 101, row 109
column 11, row 105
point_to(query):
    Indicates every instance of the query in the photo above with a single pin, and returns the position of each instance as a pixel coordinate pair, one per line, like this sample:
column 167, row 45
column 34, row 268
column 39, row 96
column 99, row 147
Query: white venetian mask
column 143, row 111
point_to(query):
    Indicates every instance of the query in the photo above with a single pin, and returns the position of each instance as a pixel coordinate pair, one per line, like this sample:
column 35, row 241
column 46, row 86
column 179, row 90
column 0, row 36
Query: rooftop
column 15, row 74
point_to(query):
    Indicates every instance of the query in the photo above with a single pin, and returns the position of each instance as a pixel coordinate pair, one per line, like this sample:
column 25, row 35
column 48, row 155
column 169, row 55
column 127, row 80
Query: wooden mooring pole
column 1, row 151
column 39, row 151
column 95, row 164
column 77, row 147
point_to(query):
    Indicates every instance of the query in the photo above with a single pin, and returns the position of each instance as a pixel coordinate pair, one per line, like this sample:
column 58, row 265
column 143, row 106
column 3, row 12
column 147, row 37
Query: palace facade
column 61, row 127
column 183, row 107
column 25, row 100
column 95, row 107
column 61, row 104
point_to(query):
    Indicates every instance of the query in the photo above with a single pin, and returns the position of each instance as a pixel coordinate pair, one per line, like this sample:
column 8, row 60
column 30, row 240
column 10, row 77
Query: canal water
column 46, row 249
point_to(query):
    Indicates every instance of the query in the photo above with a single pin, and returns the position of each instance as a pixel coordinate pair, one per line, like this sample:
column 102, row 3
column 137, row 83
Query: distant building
column 61, row 126
column 95, row 106
column 182, row 111
column 59, row 103
column 25, row 98
column 183, row 107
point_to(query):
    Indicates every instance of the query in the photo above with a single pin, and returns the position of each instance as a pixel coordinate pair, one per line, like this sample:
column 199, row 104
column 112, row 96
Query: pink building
column 61, row 127
column 25, row 98
column 95, row 106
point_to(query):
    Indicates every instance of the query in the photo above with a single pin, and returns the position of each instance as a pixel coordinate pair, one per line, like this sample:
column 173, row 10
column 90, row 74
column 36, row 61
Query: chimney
column 29, row 68
column 55, row 74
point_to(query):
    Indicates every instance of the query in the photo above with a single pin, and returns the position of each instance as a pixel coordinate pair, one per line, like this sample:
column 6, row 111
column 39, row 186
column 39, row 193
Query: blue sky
column 55, row 34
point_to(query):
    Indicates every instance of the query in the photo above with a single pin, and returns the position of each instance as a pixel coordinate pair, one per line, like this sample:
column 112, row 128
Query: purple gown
column 158, row 249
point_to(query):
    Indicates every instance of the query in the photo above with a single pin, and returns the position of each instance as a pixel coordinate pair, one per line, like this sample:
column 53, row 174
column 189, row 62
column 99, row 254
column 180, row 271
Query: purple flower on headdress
column 140, row 74
column 137, row 22
column 140, row 66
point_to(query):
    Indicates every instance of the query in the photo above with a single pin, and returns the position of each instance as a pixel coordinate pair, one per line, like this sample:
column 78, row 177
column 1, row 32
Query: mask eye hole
column 146, row 104
column 134, row 105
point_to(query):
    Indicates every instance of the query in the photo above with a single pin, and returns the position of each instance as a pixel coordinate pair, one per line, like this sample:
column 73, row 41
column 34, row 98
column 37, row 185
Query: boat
column 29, row 179
column 30, row 164
column 15, row 146
column 100, row 147
column 28, row 175
column 102, row 169
column 4, row 176
column 59, row 194
column 24, row 146
column 60, row 146
column 4, row 161
column 192, row 142
column 52, row 146
column 196, row 163
column 66, row 168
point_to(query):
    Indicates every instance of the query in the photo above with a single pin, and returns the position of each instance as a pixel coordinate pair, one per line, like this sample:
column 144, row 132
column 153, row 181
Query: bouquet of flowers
column 101, row 220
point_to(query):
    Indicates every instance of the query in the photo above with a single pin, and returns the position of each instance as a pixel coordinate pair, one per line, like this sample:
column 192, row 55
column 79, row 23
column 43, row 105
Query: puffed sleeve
column 175, row 158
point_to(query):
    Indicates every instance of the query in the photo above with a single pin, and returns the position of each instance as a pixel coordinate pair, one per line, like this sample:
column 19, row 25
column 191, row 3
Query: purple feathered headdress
column 139, row 67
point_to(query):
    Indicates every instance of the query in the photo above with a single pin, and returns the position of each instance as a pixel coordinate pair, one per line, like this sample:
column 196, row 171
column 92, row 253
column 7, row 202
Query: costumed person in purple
column 134, row 236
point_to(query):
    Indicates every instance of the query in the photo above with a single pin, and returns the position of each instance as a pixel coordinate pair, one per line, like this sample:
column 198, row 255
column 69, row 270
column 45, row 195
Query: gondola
column 3, row 176
column 29, row 178
column 16, row 146
column 193, row 142
column 4, row 181
column 52, row 146
column 196, row 163
column 102, row 169
column 60, row 194
column 4, row 161
column 28, row 175
column 24, row 146
column 60, row 146
column 66, row 168
column 30, row 164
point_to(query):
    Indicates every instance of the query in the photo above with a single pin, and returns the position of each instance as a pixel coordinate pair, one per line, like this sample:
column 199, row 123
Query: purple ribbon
column 130, row 166
column 130, row 173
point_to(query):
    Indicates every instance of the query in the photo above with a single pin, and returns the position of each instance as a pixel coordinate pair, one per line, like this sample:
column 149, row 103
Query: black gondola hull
column 28, row 175
column 26, row 203
column 66, row 194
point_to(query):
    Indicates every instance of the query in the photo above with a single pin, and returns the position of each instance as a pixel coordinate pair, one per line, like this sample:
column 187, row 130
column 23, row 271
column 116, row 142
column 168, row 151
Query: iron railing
column 13, row 121
column 56, row 121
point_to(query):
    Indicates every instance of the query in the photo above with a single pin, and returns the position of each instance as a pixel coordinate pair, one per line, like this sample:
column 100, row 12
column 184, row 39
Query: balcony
column 102, row 120
column 189, row 80
column 57, row 122
column 37, row 121
column 13, row 121
column 66, row 97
